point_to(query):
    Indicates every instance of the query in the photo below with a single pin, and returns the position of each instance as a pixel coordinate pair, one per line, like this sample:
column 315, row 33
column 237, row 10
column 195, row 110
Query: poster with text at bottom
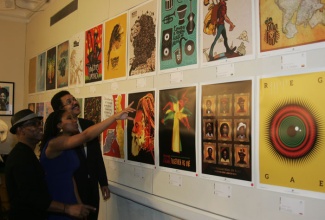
column 177, row 111
column 292, row 118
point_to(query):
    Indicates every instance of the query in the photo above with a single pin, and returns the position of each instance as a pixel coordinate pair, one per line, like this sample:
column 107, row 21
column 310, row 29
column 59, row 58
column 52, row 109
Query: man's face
column 242, row 130
column 70, row 104
column 32, row 129
column 3, row 97
column 225, row 129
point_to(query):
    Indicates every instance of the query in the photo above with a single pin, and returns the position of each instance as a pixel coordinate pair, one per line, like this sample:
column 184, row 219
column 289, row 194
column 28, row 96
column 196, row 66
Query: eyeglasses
column 33, row 123
column 69, row 102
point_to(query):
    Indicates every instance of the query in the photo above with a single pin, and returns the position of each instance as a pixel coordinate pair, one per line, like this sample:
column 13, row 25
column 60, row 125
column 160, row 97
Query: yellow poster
column 115, row 48
column 292, row 122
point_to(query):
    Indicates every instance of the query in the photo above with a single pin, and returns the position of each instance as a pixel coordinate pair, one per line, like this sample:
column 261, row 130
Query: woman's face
column 69, row 125
column 3, row 97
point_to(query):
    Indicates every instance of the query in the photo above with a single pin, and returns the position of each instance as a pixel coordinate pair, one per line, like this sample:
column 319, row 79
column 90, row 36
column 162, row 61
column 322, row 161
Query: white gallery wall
column 148, row 192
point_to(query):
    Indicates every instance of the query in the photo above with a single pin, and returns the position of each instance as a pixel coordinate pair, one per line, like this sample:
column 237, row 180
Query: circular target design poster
column 291, row 141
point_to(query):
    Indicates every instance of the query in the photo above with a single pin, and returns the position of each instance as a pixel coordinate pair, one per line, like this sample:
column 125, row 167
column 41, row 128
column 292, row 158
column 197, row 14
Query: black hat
column 20, row 117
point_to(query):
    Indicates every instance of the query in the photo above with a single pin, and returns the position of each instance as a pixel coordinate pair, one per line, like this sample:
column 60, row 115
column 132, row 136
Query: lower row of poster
column 291, row 123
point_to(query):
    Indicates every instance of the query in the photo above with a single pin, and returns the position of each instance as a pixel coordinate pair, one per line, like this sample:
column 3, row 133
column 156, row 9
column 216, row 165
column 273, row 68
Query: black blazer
column 92, row 165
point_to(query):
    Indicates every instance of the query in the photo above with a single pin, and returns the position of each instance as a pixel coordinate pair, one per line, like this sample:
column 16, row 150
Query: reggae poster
column 50, row 68
column 227, row 31
column 141, row 130
column 62, row 65
column 142, row 41
column 92, row 109
column 113, row 136
column 76, row 59
column 226, row 122
column 115, row 47
column 178, row 38
column 93, row 54
column 292, row 119
column 177, row 116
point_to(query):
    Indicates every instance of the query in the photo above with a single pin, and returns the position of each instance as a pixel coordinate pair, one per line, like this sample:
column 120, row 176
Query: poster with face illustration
column 115, row 47
column 142, row 40
column 141, row 130
column 178, row 34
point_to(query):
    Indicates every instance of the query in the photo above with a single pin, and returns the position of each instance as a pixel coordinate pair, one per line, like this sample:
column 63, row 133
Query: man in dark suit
column 92, row 169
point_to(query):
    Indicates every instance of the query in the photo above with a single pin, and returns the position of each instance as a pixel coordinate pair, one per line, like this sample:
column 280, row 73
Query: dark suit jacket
column 92, row 165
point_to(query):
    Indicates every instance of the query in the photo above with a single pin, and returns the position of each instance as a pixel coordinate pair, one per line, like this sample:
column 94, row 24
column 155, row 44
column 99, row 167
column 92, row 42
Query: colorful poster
column 287, row 23
column 141, row 131
column 177, row 116
column 226, row 122
column 115, row 47
column 178, row 38
column 92, row 109
column 76, row 59
column 93, row 54
column 113, row 136
column 40, row 72
column 50, row 68
column 142, row 39
column 32, row 75
column 227, row 31
column 63, row 65
column 292, row 119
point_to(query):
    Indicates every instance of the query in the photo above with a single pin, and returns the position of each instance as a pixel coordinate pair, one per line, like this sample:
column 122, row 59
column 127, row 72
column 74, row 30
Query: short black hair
column 56, row 99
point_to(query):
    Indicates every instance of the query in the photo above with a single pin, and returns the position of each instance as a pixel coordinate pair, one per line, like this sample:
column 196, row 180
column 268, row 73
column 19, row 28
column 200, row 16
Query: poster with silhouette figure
column 115, row 57
column 141, row 130
column 62, row 74
column 291, row 140
column 178, row 34
column 227, row 31
column 113, row 136
column 93, row 54
column 51, row 68
column 231, row 121
column 177, row 116
column 142, row 40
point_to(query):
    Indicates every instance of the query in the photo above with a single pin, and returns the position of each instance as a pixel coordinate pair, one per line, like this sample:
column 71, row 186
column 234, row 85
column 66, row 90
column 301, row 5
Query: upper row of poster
column 127, row 45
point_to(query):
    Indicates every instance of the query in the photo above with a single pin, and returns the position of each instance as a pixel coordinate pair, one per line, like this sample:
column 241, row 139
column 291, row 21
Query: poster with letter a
column 291, row 141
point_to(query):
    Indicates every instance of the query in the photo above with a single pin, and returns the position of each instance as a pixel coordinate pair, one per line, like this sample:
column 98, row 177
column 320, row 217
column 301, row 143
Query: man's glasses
column 69, row 102
column 33, row 123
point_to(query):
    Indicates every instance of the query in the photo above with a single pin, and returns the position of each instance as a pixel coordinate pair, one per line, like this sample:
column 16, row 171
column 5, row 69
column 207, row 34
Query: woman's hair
column 116, row 35
column 51, row 129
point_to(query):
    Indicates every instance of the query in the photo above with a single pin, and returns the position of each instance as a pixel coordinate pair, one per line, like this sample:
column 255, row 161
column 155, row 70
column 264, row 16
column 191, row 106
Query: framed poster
column 232, row 122
column 63, row 65
column 227, row 31
column 7, row 98
column 76, row 59
column 178, row 34
column 177, row 126
column 142, row 40
column 40, row 72
column 51, row 68
column 141, row 130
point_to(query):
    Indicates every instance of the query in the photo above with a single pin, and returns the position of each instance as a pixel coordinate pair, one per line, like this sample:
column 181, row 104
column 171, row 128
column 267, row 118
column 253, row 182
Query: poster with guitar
column 178, row 34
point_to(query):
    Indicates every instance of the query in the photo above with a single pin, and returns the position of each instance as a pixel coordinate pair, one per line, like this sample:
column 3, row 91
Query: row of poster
column 168, row 35
column 289, row 126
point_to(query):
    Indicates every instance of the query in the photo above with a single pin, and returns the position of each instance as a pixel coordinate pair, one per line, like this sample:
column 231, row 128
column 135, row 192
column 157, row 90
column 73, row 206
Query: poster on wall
column 93, row 54
column 286, row 24
column 178, row 38
column 292, row 120
column 142, row 41
column 50, row 68
column 141, row 131
column 115, row 47
column 113, row 136
column 7, row 98
column 63, row 65
column 76, row 59
column 32, row 75
column 177, row 117
column 227, row 31
column 40, row 109
column 47, row 110
column 40, row 72
column 226, row 124
column 92, row 109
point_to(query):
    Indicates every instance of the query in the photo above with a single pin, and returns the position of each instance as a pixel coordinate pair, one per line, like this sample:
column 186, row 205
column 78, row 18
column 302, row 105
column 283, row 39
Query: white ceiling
column 20, row 10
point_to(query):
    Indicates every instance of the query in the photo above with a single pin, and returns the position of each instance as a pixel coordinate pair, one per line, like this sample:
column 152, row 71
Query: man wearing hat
column 25, row 182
